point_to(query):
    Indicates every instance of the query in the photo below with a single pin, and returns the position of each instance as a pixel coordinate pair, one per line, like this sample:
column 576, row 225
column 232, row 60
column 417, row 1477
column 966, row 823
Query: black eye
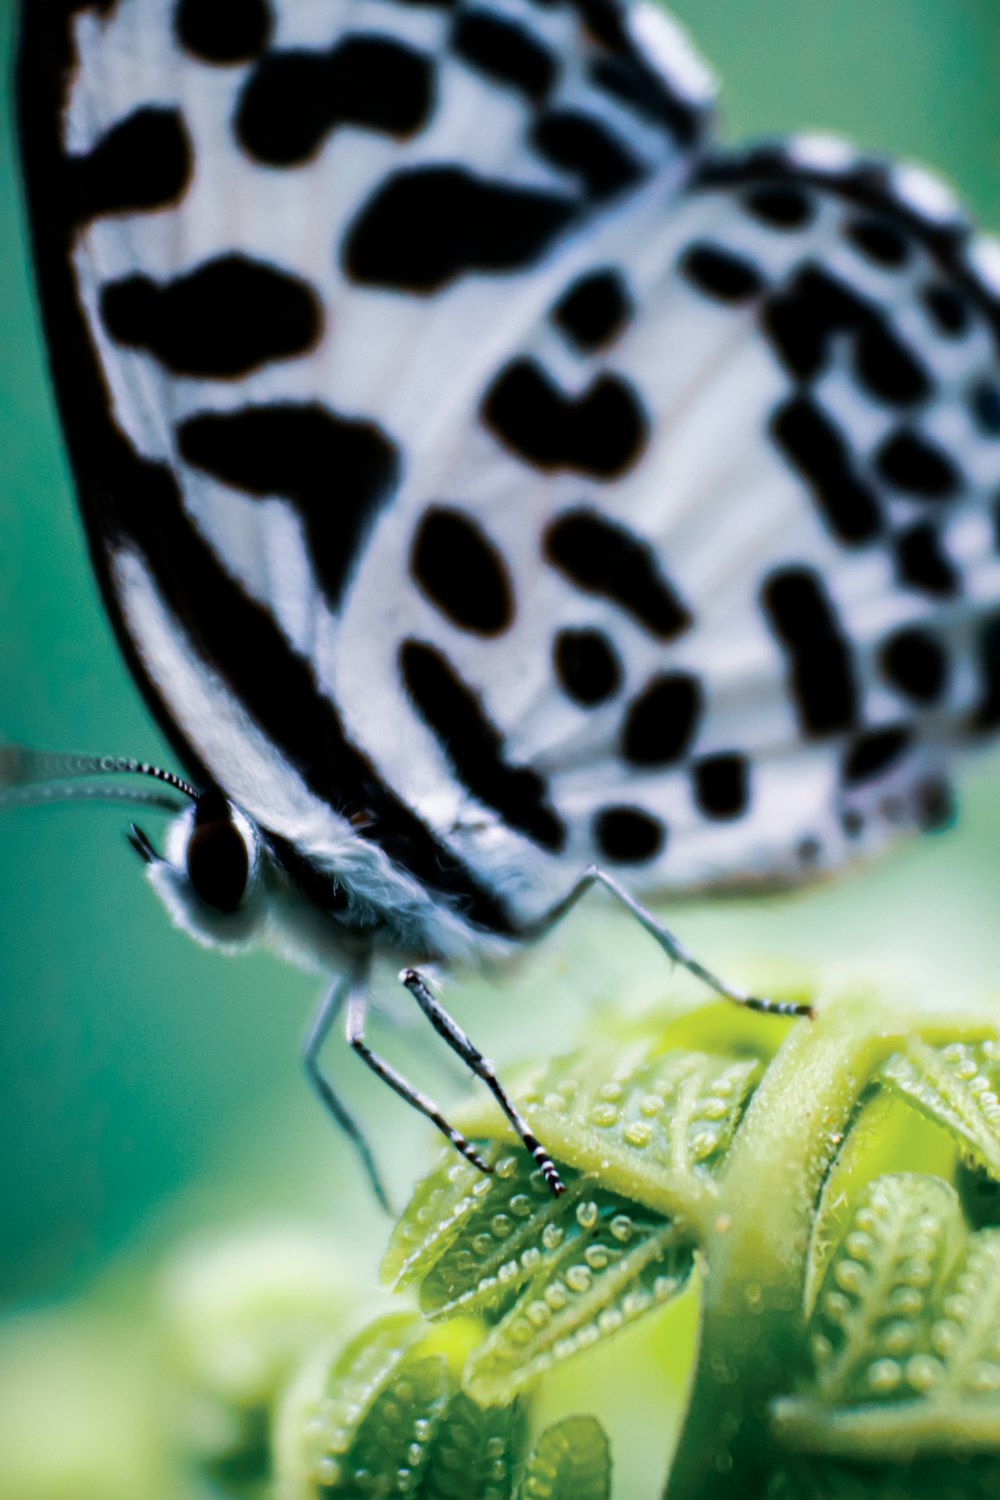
column 217, row 861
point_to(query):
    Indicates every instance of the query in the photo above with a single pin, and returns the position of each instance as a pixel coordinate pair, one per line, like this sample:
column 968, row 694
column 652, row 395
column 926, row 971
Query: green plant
column 829, row 1191
column 833, row 1194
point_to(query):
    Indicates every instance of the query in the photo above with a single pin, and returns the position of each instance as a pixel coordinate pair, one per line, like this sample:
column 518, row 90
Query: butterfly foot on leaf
column 483, row 1068
column 800, row 1008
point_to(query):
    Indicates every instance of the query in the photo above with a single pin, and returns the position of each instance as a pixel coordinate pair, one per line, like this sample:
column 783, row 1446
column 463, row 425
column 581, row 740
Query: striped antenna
column 30, row 776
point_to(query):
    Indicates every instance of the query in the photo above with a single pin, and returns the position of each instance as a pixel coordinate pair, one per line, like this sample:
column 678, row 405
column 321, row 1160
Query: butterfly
column 499, row 487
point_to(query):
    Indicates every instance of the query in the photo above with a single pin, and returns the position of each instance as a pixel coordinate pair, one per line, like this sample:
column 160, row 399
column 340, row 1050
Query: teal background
column 145, row 1083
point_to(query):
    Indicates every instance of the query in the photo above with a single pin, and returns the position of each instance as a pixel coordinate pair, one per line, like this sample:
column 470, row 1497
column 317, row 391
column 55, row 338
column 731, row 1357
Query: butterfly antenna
column 33, row 776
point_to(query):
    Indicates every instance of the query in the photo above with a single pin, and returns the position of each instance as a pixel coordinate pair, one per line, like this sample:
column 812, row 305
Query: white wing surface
column 488, row 476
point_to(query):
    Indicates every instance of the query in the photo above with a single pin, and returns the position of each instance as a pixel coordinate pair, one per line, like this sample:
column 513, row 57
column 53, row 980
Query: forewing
column 280, row 246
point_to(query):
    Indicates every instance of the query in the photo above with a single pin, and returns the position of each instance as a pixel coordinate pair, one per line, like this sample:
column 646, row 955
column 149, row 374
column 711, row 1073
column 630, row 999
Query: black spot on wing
column 475, row 747
column 628, row 80
column 223, row 31
column 934, row 805
column 923, row 563
column 984, row 402
column 918, row 467
column 987, row 712
column 425, row 227
column 292, row 100
column 853, row 822
column 780, row 205
column 949, row 310
column 722, row 785
column 505, row 52
column 605, row 21
column 224, row 319
column 587, row 666
column 462, row 572
column 663, row 720
column 628, row 835
column 878, row 241
column 874, row 753
column 816, row 448
column 142, row 164
column 887, row 369
column 720, row 273
column 601, row 432
column 336, row 472
column 586, row 148
column 594, row 309
column 915, row 662
column 803, row 320
column 603, row 558
column 817, row 652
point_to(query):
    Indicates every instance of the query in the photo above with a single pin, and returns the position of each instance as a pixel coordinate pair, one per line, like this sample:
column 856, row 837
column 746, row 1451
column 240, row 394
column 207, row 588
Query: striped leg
column 329, row 1009
column 671, row 947
column 356, row 1006
column 483, row 1068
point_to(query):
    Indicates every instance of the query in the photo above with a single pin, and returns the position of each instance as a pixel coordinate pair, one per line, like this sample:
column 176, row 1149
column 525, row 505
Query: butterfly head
column 211, row 873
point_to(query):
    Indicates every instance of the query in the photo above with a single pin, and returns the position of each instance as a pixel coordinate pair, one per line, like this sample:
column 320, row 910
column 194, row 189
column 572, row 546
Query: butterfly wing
column 485, row 474
column 276, row 245
column 708, row 591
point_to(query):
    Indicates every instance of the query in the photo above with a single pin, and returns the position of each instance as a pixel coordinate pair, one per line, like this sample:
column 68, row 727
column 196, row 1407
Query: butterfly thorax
column 233, row 885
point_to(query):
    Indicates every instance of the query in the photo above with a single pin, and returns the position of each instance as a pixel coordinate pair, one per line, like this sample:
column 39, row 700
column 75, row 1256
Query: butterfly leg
column 671, row 947
column 329, row 1009
column 483, row 1068
column 356, row 1006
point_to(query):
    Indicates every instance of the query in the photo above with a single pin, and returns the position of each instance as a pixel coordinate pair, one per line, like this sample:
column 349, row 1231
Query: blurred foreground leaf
column 387, row 1417
column 571, row 1461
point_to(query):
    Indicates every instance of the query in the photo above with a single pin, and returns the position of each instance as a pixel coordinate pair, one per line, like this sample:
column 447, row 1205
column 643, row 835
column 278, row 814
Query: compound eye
column 218, row 863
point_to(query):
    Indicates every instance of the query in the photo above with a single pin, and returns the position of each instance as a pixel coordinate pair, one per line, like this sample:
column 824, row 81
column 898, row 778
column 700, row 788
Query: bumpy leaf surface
column 571, row 1461
column 959, row 1087
column 905, row 1338
column 638, row 1141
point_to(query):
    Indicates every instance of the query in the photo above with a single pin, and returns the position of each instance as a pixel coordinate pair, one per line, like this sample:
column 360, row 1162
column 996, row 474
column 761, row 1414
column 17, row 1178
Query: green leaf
column 924, row 1479
column 470, row 1238
column 905, row 1339
column 388, row 1418
column 870, row 1329
column 474, row 1452
column 652, row 1128
column 370, row 1416
column 658, row 1126
column 601, row 1264
column 958, row 1086
column 555, row 1275
column 570, row 1461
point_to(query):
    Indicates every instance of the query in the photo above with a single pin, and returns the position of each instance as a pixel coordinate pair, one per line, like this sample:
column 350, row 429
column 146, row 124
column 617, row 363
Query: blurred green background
column 146, row 1084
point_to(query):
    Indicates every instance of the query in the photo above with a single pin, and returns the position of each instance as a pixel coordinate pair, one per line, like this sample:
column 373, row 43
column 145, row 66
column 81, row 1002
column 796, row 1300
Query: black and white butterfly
column 498, row 486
